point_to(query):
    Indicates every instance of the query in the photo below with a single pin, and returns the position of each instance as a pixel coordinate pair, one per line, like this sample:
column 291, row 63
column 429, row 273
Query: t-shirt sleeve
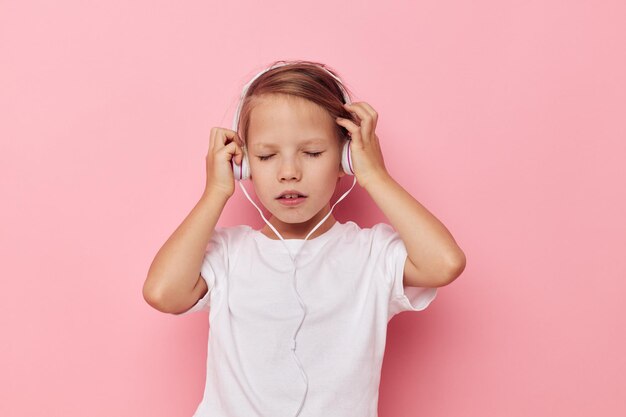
column 401, row 298
column 214, row 267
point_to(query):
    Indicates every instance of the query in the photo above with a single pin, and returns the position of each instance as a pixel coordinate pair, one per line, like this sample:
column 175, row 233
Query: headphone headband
column 346, row 97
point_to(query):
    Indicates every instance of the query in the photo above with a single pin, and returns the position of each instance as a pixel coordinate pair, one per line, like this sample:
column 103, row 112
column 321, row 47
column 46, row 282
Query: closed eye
column 311, row 154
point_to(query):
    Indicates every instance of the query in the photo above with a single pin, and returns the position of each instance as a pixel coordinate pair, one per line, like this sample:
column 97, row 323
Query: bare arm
column 434, row 258
column 173, row 283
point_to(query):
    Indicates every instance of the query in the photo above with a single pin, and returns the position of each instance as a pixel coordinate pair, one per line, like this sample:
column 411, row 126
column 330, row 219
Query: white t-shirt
column 350, row 280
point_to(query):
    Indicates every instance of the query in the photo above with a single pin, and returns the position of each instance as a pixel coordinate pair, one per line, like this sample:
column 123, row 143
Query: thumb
column 238, row 154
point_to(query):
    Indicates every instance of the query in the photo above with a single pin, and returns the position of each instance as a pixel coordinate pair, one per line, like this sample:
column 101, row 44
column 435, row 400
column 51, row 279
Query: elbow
column 153, row 297
column 456, row 265
column 150, row 297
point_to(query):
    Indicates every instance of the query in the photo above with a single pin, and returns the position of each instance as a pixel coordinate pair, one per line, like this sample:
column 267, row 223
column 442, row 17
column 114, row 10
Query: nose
column 289, row 169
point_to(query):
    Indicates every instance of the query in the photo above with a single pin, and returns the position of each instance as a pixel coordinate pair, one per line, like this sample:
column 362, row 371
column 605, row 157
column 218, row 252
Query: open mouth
column 291, row 200
column 291, row 197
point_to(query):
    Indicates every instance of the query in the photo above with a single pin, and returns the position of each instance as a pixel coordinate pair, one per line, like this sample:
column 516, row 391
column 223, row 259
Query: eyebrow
column 306, row 142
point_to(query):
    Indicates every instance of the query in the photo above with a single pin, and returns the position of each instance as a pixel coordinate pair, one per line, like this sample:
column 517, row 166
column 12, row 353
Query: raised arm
column 434, row 259
column 174, row 283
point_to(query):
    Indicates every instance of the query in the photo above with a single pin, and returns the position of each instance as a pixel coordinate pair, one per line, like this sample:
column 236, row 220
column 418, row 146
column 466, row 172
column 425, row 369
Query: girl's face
column 292, row 145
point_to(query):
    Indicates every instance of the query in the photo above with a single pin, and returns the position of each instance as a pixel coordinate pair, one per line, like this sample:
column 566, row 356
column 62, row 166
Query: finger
column 238, row 154
column 218, row 139
column 366, row 119
column 235, row 152
column 355, row 131
column 233, row 135
column 372, row 112
column 371, row 118
column 212, row 138
column 223, row 137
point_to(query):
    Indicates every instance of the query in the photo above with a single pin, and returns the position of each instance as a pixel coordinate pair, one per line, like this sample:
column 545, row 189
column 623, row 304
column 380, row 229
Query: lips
column 290, row 194
column 291, row 202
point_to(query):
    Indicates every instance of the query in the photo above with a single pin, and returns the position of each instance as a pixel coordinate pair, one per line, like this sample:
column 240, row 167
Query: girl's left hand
column 367, row 158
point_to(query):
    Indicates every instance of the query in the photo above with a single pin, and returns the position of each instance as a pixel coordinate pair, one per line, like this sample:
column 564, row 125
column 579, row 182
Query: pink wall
column 505, row 119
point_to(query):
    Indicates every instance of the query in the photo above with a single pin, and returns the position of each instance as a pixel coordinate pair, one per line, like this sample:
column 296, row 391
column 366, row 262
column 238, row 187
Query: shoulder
column 226, row 242
column 228, row 235
column 383, row 230
column 376, row 231
column 375, row 235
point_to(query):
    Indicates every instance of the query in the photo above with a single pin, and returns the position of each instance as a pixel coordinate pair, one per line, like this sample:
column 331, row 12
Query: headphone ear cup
column 245, row 166
column 346, row 158
column 241, row 172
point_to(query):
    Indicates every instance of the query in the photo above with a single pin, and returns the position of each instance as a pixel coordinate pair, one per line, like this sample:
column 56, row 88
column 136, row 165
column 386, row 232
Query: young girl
column 299, row 309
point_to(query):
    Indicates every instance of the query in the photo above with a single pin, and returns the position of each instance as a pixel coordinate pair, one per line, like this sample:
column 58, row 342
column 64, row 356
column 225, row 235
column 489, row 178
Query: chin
column 292, row 219
column 293, row 216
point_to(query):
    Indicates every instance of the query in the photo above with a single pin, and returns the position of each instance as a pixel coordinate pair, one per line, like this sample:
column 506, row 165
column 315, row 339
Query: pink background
column 505, row 119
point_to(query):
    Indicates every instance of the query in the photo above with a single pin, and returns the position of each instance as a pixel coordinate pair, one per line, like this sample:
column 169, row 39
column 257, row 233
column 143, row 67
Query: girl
column 299, row 329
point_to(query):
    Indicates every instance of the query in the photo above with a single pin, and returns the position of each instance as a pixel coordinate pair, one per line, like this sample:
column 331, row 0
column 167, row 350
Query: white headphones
column 242, row 171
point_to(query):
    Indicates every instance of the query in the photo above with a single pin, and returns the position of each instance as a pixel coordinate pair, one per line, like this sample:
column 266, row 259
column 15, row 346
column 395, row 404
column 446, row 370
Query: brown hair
column 304, row 79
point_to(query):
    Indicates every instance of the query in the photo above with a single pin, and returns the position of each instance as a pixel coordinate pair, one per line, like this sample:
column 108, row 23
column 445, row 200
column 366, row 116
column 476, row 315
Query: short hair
column 298, row 78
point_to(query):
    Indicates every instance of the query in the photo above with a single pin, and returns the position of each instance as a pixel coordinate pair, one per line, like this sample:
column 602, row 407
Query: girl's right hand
column 224, row 145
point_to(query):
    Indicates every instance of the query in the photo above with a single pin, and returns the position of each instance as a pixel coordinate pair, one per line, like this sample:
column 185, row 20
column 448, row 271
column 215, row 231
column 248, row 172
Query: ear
column 341, row 172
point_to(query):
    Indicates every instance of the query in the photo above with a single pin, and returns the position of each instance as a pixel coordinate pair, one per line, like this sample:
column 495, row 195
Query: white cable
column 293, row 259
